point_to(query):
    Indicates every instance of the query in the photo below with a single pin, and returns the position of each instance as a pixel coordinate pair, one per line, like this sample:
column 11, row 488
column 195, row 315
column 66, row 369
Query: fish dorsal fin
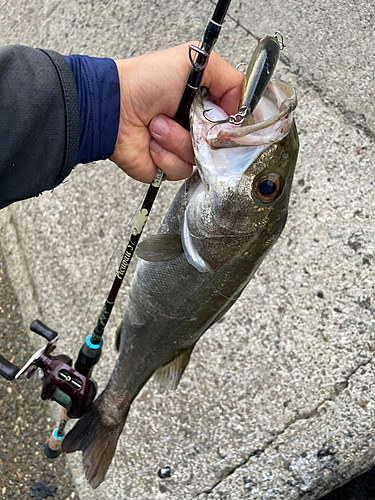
column 170, row 374
column 160, row 247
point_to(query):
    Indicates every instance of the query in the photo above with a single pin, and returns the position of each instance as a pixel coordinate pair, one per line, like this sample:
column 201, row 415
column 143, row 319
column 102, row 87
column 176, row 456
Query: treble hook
column 236, row 119
column 258, row 75
column 280, row 39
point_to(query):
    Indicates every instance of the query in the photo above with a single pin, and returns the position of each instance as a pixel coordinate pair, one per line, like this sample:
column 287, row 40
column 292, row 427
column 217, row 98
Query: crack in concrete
column 338, row 387
column 356, row 119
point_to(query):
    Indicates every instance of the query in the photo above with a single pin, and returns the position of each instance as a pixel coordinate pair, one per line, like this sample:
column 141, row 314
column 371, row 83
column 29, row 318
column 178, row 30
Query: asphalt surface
column 25, row 420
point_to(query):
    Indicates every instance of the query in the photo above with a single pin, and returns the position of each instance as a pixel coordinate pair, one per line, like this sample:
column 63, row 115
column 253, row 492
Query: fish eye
column 267, row 188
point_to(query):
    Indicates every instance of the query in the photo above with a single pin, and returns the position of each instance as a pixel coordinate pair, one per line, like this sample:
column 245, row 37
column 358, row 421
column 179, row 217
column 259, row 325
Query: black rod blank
column 194, row 79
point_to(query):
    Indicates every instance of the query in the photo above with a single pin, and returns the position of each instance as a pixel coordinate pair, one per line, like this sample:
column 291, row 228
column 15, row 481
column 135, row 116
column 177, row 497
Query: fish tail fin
column 98, row 442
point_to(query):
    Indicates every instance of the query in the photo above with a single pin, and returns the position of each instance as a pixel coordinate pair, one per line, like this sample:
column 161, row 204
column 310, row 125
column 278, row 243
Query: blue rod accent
column 93, row 346
column 56, row 436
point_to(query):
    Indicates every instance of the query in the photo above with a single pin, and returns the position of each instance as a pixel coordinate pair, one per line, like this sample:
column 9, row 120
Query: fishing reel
column 69, row 387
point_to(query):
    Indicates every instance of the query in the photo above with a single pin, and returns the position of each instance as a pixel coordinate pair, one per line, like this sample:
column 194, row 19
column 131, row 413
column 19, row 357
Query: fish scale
column 195, row 268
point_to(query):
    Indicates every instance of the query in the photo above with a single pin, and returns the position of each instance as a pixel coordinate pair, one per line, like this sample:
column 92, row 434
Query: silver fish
column 218, row 229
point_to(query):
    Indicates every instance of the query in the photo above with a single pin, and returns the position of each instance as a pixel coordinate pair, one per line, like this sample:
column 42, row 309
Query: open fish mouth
column 271, row 119
column 224, row 151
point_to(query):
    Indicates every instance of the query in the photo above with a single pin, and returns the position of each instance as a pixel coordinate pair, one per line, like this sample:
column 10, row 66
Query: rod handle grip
column 52, row 448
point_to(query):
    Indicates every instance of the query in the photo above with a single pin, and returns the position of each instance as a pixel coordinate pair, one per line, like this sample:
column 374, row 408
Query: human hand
column 151, row 87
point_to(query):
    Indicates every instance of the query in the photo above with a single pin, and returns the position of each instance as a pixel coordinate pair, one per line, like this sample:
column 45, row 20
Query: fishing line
column 199, row 57
column 127, row 229
column 209, row 15
column 186, row 177
column 225, row 297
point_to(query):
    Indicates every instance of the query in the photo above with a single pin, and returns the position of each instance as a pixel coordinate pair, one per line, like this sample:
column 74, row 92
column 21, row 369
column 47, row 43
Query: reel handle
column 43, row 330
column 7, row 369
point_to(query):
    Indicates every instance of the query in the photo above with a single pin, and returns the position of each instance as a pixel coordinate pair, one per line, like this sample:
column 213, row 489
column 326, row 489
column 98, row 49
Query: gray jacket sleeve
column 39, row 122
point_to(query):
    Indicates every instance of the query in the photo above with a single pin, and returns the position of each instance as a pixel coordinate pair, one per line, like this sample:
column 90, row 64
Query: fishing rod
column 199, row 58
column 71, row 387
column 91, row 350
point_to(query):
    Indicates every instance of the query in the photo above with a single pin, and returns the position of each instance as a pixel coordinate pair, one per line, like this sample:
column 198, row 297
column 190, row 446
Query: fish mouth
column 271, row 120
column 224, row 151
column 221, row 217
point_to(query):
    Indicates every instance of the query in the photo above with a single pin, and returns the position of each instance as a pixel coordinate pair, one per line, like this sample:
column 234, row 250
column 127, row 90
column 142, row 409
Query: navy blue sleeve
column 98, row 91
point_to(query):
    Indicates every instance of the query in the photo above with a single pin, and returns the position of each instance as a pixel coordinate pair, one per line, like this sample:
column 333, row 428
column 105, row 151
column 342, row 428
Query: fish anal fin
column 169, row 375
column 160, row 247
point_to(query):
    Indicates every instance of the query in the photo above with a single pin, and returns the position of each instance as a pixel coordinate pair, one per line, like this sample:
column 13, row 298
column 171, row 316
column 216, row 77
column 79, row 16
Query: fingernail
column 155, row 146
column 159, row 126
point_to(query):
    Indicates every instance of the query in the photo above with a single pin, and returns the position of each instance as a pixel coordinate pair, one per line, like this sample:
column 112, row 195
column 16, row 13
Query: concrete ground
column 278, row 399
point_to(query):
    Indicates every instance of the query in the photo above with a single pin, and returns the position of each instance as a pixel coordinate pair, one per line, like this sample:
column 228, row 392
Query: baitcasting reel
column 61, row 383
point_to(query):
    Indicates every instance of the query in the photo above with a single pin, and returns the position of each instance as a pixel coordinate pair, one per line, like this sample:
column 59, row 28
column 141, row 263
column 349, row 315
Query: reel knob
column 7, row 369
column 43, row 330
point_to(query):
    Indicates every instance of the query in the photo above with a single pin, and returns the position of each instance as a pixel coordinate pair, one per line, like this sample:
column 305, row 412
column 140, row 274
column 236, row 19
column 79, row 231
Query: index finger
column 224, row 82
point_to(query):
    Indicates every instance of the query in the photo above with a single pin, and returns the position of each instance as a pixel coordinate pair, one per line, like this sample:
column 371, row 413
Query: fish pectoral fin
column 170, row 374
column 160, row 247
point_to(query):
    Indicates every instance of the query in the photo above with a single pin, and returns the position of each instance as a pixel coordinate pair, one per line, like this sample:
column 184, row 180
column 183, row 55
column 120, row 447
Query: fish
column 218, row 229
